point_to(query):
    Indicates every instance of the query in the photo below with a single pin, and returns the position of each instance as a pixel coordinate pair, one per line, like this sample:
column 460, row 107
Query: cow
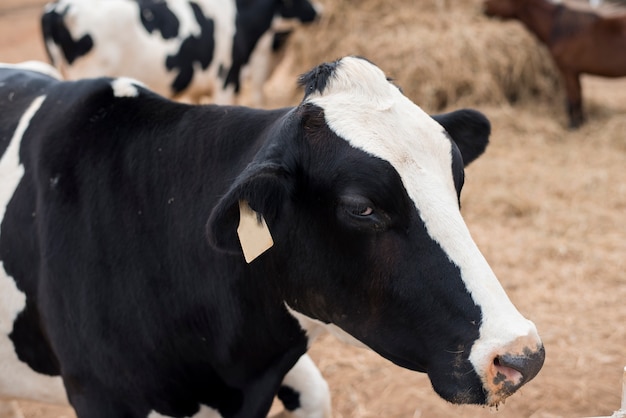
column 182, row 49
column 167, row 259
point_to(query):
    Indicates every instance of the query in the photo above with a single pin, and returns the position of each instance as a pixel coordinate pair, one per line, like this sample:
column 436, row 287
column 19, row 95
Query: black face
column 360, row 258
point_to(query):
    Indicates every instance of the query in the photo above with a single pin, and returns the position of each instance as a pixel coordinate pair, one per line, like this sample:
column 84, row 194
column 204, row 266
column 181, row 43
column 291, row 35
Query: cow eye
column 357, row 205
column 363, row 211
column 359, row 212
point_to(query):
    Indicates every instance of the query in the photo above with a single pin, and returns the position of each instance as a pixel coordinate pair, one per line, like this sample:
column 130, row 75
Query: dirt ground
column 546, row 205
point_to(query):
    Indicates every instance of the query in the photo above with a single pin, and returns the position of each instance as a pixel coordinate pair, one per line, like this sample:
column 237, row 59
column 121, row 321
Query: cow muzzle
column 511, row 367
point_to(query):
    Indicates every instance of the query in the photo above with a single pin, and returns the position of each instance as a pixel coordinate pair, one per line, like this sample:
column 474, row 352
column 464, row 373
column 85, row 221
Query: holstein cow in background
column 179, row 48
column 169, row 259
column 579, row 42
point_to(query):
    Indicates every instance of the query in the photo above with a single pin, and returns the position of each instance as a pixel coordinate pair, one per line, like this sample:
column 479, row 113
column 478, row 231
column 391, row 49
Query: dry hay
column 440, row 53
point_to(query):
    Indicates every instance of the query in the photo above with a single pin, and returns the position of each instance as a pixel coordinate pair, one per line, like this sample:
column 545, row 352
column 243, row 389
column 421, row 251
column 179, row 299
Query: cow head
column 360, row 189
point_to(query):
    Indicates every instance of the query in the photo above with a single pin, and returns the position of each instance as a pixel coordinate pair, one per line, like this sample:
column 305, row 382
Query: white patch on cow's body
column 125, row 87
column 29, row 385
column 38, row 66
column 369, row 112
column 314, row 328
column 11, row 170
column 204, row 412
column 306, row 379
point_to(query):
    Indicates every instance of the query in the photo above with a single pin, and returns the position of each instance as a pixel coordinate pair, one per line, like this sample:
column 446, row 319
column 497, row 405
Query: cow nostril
column 505, row 373
column 516, row 370
column 511, row 367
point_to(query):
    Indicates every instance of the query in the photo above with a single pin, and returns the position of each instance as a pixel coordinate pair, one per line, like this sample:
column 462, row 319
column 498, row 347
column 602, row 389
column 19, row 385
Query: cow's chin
column 461, row 385
column 457, row 386
column 453, row 393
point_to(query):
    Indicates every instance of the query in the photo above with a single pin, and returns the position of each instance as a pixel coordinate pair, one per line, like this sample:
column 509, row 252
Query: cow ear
column 469, row 129
column 262, row 187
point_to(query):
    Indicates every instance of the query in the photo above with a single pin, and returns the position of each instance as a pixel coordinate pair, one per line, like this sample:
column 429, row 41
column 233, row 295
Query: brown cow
column 579, row 42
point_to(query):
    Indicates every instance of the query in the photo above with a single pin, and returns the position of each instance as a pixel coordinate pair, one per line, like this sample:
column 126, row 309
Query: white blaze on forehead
column 17, row 380
column 364, row 108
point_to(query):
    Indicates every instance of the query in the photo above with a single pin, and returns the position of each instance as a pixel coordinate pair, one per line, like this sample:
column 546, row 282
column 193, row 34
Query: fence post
column 623, row 410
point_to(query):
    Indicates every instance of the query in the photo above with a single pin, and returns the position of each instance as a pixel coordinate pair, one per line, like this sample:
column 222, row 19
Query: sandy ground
column 547, row 207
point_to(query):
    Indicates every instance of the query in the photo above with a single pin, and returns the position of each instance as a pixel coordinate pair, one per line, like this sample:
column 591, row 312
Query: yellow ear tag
column 254, row 235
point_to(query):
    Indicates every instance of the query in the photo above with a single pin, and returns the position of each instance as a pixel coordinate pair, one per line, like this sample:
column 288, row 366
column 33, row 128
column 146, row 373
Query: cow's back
column 175, row 47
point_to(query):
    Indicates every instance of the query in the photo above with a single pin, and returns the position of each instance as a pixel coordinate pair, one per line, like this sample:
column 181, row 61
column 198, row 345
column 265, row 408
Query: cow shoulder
column 98, row 116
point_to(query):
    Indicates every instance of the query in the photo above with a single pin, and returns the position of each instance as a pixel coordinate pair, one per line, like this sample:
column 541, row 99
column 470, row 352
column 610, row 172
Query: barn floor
column 547, row 207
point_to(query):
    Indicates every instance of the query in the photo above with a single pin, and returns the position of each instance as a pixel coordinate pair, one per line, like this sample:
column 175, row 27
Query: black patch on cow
column 54, row 28
column 222, row 72
column 155, row 15
column 289, row 397
column 193, row 50
column 317, row 78
column 252, row 21
column 19, row 253
column 302, row 10
column 30, row 344
column 280, row 40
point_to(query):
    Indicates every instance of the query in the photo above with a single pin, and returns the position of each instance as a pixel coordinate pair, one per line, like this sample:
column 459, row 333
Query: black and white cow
column 182, row 49
column 169, row 259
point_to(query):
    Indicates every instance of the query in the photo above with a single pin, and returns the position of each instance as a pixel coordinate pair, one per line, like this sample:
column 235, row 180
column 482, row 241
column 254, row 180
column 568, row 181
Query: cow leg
column 574, row 98
column 10, row 409
column 304, row 392
column 258, row 69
